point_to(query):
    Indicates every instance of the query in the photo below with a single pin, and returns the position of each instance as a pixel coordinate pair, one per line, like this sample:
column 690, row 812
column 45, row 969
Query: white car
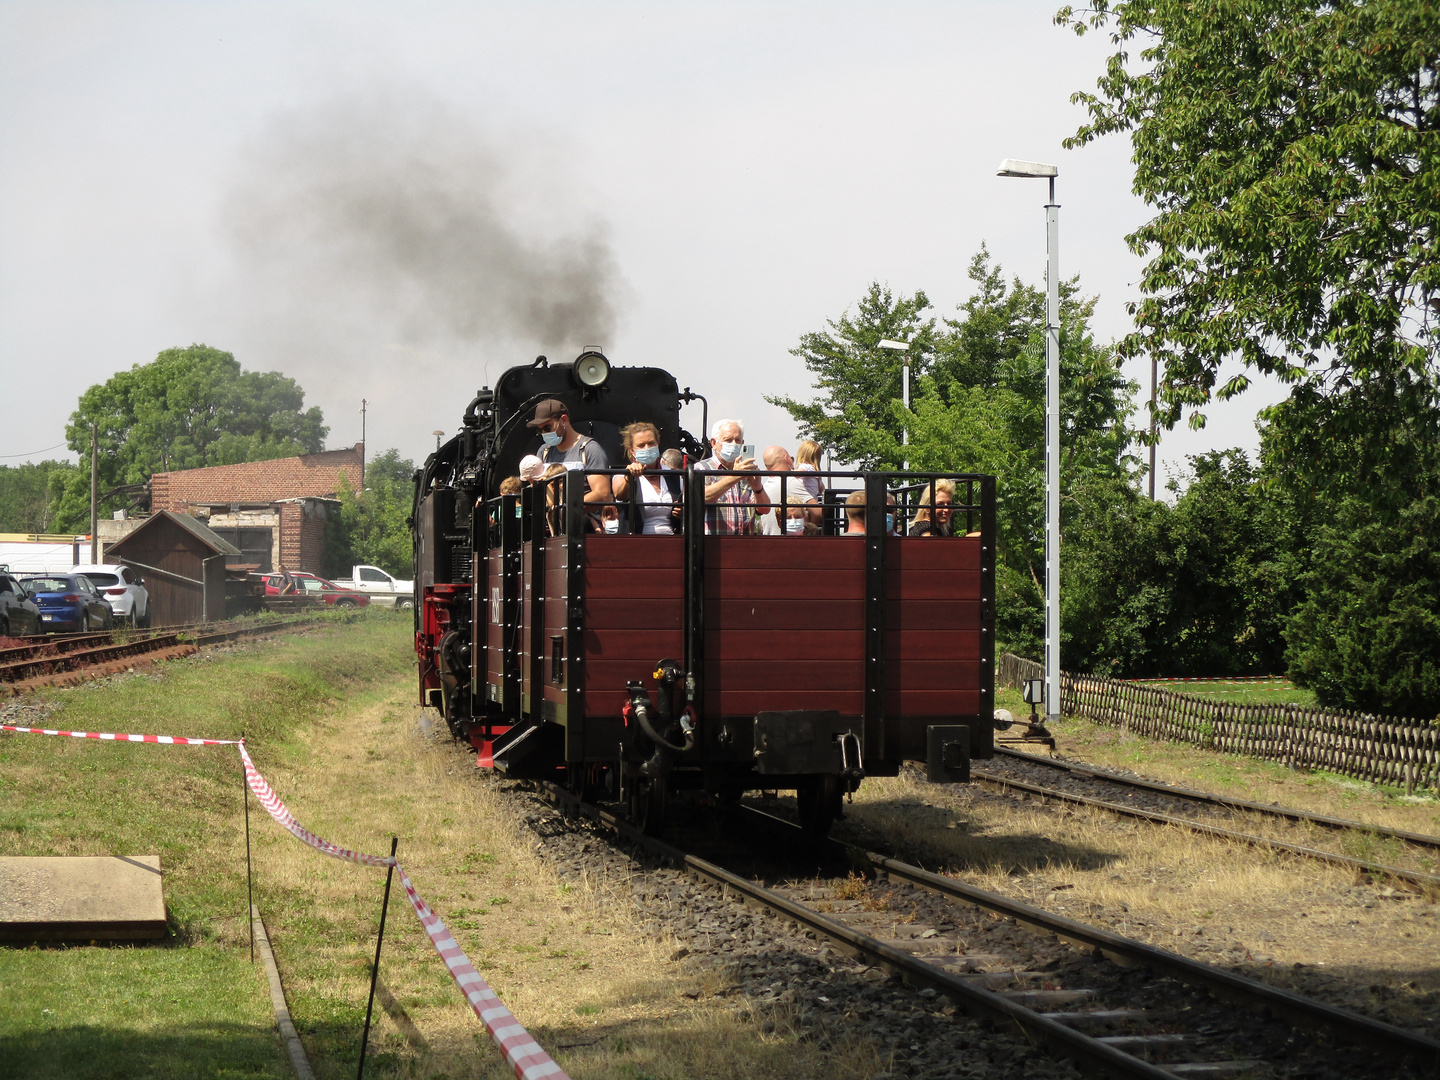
column 122, row 590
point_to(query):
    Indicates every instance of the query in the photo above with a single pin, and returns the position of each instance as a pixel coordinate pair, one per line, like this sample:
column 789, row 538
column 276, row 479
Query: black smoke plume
column 394, row 224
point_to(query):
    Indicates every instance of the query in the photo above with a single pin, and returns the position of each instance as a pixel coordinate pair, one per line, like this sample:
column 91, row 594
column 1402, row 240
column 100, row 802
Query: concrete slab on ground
column 81, row 898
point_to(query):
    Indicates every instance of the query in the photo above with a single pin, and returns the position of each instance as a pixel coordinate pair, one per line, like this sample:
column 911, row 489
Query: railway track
column 1091, row 786
column 74, row 657
column 1114, row 1006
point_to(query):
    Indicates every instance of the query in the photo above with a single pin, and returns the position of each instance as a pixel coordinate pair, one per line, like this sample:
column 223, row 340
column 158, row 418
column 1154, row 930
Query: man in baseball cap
column 562, row 444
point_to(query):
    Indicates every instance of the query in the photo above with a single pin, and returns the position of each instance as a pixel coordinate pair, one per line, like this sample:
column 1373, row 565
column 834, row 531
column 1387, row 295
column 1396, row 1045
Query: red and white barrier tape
column 168, row 740
column 271, row 802
column 520, row 1050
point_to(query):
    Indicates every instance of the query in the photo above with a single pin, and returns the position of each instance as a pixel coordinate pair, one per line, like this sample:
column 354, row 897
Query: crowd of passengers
column 738, row 501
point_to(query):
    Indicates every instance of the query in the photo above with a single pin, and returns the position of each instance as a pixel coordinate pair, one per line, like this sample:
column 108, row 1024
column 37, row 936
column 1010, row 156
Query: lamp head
column 591, row 369
column 1034, row 169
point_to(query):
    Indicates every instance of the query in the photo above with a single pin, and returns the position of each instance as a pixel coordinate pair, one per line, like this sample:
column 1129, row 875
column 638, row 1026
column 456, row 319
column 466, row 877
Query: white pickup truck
column 383, row 590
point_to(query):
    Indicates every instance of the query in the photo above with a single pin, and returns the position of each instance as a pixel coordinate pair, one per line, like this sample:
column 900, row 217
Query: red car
column 314, row 585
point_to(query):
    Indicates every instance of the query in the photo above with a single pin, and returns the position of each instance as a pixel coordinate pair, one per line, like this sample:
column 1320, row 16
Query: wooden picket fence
column 1379, row 749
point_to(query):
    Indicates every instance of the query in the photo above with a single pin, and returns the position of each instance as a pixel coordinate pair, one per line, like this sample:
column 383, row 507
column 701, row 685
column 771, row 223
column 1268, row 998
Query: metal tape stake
column 249, row 872
column 375, row 971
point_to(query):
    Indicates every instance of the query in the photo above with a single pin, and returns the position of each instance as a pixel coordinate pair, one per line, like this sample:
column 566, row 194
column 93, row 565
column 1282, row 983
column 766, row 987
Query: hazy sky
column 397, row 202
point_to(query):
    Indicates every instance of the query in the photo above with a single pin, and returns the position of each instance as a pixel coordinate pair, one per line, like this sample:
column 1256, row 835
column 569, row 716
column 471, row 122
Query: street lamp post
column 903, row 348
column 1035, row 169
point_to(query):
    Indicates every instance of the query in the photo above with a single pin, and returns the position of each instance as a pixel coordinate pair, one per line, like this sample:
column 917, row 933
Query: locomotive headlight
column 592, row 369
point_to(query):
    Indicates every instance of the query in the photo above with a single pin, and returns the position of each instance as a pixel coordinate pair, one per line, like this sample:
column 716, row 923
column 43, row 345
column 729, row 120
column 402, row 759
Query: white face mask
column 613, row 525
column 729, row 451
column 794, row 525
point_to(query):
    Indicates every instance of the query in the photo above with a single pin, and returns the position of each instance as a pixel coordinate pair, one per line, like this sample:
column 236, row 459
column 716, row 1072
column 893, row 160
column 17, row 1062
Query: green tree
column 186, row 409
column 1367, row 635
column 995, row 325
column 857, row 380
column 374, row 526
column 25, row 495
column 1291, row 150
column 979, row 406
column 1203, row 587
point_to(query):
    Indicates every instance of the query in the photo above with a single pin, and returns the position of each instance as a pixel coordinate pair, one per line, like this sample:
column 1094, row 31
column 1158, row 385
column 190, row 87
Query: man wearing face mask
column 733, row 493
column 563, row 445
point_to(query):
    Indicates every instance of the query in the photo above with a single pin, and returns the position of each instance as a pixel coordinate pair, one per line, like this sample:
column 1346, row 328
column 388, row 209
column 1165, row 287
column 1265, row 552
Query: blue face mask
column 889, row 522
column 551, row 438
column 647, row 455
column 729, row 451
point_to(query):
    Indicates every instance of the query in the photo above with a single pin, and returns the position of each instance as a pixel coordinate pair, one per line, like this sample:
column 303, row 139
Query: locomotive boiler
column 632, row 667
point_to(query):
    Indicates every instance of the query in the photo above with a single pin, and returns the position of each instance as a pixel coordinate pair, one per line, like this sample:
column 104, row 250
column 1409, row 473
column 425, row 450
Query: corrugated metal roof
column 200, row 531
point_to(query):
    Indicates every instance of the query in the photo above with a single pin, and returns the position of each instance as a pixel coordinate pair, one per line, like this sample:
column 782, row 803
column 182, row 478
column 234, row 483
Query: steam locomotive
column 632, row 667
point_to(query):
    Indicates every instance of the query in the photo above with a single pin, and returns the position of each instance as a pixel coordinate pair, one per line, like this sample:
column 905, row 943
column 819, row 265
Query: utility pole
column 1015, row 167
column 94, row 494
column 903, row 348
column 363, row 403
column 1154, row 373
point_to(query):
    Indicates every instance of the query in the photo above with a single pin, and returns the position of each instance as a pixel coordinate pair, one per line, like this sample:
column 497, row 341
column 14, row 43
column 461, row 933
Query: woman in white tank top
column 653, row 489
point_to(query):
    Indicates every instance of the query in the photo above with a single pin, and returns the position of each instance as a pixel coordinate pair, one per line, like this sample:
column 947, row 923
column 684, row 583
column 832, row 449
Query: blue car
column 68, row 602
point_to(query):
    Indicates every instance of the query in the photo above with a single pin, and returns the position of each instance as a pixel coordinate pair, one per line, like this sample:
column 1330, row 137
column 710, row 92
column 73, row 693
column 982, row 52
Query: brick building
column 273, row 511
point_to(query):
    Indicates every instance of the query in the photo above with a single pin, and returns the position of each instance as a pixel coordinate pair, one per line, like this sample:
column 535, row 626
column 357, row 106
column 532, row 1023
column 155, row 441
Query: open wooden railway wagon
column 633, row 666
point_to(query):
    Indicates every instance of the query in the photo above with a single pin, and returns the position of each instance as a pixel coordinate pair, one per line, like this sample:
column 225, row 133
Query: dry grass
column 598, row 993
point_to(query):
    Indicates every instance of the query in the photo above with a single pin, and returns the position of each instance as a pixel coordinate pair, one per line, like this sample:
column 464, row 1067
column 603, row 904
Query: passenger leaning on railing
column 942, row 521
column 554, row 496
column 656, row 496
column 733, row 493
column 562, row 444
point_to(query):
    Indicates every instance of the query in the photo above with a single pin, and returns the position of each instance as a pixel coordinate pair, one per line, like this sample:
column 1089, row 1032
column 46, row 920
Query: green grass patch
column 192, row 1005
column 1278, row 691
column 99, row 1012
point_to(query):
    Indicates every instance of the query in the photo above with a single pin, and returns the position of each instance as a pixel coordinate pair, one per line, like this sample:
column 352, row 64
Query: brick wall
column 306, row 476
column 302, row 534
column 312, row 537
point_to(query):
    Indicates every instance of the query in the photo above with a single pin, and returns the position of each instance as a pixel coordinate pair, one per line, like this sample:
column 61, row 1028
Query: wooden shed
column 182, row 563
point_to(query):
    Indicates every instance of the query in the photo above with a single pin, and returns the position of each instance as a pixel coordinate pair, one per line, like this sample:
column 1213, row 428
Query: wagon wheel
column 649, row 804
column 586, row 780
column 817, row 802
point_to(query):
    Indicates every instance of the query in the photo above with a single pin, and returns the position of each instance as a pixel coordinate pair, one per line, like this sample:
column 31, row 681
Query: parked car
column 385, row 590
column 19, row 614
column 123, row 590
column 68, row 602
column 322, row 589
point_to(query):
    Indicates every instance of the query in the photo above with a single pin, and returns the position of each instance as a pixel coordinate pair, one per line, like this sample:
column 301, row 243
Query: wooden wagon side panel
column 784, row 624
column 633, row 611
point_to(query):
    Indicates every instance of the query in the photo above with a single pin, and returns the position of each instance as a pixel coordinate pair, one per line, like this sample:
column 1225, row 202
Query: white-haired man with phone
column 734, row 496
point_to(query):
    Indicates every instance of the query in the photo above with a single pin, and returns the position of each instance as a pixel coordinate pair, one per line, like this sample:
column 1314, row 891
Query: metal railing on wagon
column 912, row 496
